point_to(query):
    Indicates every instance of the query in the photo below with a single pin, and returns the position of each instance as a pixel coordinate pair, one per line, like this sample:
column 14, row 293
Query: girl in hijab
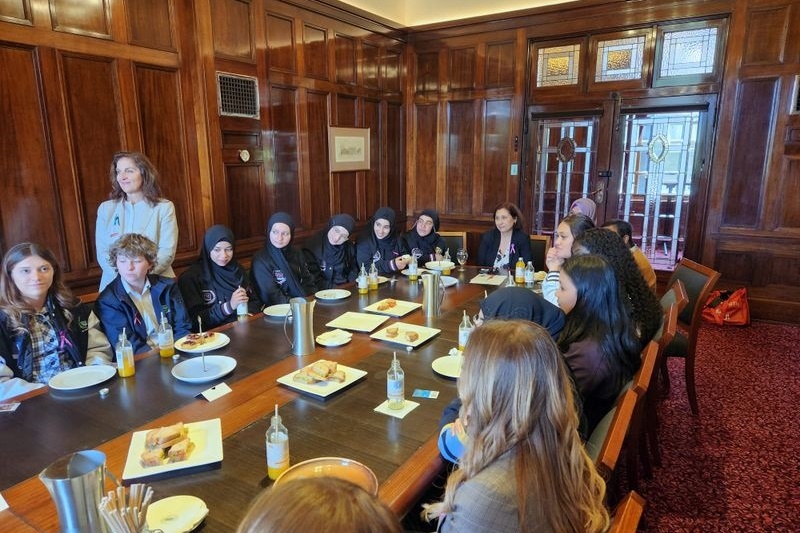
column 216, row 284
column 279, row 271
column 584, row 206
column 382, row 245
column 422, row 239
column 330, row 255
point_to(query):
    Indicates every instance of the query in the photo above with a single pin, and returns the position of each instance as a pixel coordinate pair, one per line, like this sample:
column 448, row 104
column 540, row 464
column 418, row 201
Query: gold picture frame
column 348, row 148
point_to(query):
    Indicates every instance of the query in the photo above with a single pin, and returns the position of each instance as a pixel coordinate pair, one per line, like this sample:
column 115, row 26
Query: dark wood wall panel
column 500, row 64
column 233, row 36
column 245, row 187
column 427, row 79
column 29, row 209
column 162, row 124
column 345, row 59
column 283, row 177
column 346, row 194
column 426, row 141
column 749, row 152
column 150, row 23
column 496, row 138
column 84, row 17
column 319, row 177
column 789, row 213
column 281, row 43
column 18, row 11
column 373, row 184
column 390, row 79
column 370, row 57
column 395, row 175
column 460, row 156
column 767, row 30
column 345, row 111
column 462, row 68
column 315, row 55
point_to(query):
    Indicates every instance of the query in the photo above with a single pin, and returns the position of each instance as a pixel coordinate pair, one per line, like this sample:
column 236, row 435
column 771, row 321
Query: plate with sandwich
column 406, row 334
column 173, row 448
column 392, row 307
column 202, row 342
column 322, row 378
column 193, row 371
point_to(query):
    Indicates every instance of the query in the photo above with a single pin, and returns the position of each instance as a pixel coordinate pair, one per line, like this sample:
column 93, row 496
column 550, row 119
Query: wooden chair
column 698, row 280
column 539, row 246
column 627, row 514
column 454, row 240
column 605, row 443
column 641, row 385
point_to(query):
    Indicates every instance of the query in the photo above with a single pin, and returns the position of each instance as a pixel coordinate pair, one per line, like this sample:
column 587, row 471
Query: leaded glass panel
column 558, row 65
column 688, row 52
column 620, row 59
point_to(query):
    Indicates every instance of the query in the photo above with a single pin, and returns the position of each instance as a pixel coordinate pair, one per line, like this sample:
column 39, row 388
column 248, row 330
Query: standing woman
column 330, row 254
column 135, row 206
column 524, row 467
column 44, row 329
column 422, row 239
column 216, row 284
column 502, row 246
column 567, row 231
column 279, row 271
column 381, row 245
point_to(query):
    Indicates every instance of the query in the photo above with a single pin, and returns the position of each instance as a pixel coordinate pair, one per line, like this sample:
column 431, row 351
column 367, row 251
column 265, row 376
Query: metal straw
column 202, row 352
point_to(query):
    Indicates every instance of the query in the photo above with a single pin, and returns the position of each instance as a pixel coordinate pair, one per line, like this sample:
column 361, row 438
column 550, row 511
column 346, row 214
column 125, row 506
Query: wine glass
column 461, row 257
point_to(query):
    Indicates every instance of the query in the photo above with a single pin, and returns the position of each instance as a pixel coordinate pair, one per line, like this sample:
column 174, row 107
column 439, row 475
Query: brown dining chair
column 698, row 280
column 454, row 240
column 627, row 514
column 641, row 385
column 539, row 246
column 605, row 443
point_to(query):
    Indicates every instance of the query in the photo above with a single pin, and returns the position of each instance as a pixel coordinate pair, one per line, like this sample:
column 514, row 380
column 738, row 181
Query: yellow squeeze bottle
column 361, row 282
column 277, row 447
column 519, row 271
column 125, row 364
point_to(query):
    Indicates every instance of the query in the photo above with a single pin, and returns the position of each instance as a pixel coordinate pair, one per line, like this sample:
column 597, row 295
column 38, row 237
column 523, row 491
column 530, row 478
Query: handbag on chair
column 727, row 308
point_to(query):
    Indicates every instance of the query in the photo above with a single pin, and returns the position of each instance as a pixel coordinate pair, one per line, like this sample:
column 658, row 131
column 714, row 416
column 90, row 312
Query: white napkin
column 217, row 391
column 408, row 406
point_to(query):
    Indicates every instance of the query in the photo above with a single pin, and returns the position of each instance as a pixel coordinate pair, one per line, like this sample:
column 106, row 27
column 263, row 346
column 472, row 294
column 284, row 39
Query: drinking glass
column 461, row 257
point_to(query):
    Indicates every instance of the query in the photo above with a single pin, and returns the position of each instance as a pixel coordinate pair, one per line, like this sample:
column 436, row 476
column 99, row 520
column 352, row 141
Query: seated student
column 318, row 505
column 598, row 341
column 44, row 329
column 330, row 255
column 422, row 239
column 646, row 311
column 381, row 244
column 524, row 458
column 584, row 206
column 216, row 284
column 624, row 230
column 567, row 231
column 279, row 271
column 502, row 246
column 136, row 299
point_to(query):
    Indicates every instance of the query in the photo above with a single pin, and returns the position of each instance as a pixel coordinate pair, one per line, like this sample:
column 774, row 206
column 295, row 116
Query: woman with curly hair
column 646, row 310
column 524, row 467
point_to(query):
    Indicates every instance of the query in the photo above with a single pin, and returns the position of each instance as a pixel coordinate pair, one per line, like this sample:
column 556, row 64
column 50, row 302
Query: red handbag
column 727, row 308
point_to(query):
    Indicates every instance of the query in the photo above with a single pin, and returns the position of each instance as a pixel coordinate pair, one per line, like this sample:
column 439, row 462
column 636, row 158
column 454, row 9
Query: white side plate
column 449, row 281
column 448, row 366
column 219, row 340
column 278, row 311
column 332, row 294
column 81, row 377
column 176, row 514
column 191, row 370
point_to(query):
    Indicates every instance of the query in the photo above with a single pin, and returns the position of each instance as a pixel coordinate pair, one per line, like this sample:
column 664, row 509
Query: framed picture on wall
column 348, row 148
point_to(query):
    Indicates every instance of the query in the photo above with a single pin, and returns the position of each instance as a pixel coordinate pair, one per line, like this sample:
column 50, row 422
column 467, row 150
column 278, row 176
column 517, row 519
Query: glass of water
column 461, row 257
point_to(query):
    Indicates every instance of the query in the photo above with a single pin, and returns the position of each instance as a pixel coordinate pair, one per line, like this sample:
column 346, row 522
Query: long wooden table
column 401, row 452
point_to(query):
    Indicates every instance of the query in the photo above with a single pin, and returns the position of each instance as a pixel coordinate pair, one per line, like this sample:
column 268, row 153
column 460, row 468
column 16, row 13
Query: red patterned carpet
column 736, row 467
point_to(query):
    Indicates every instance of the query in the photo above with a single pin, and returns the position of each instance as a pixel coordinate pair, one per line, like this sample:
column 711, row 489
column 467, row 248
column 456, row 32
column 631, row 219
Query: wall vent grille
column 238, row 95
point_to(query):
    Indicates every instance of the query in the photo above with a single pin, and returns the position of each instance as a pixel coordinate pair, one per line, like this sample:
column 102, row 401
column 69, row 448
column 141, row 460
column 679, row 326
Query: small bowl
column 337, row 467
column 440, row 265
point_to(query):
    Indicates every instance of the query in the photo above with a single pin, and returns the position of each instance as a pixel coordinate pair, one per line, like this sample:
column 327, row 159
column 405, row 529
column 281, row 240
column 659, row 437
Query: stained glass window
column 689, row 52
column 558, row 65
column 620, row 59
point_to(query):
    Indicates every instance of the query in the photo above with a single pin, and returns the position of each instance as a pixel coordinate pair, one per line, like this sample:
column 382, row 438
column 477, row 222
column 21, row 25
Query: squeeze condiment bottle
column 464, row 329
column 125, row 365
column 395, row 385
column 529, row 272
column 241, row 310
column 519, row 271
column 413, row 270
column 373, row 277
column 166, row 344
column 361, row 282
column 277, row 438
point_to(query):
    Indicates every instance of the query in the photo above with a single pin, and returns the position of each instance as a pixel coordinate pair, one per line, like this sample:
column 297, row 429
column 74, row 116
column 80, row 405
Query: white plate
column 448, row 366
column 219, row 340
column 424, row 333
column 401, row 307
column 382, row 280
column 449, row 281
column 278, row 311
column 365, row 322
column 332, row 294
column 440, row 265
column 489, row 279
column 191, row 370
column 420, row 271
column 176, row 514
column 336, row 337
column 81, row 377
column 324, row 388
column 206, row 436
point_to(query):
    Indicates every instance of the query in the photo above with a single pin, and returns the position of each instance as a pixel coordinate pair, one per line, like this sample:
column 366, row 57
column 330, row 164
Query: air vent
column 238, row 95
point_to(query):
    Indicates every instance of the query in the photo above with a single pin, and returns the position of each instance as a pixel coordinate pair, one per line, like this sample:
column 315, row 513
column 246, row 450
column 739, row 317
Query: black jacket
column 327, row 276
column 490, row 242
column 265, row 277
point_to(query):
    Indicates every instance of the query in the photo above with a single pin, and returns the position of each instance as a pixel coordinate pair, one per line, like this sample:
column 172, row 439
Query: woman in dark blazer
column 507, row 242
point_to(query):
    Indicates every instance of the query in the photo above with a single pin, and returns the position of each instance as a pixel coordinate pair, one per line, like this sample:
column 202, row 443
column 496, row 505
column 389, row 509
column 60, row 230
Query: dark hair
column 519, row 223
column 600, row 312
column 578, row 223
column 647, row 313
column 622, row 228
column 11, row 301
column 150, row 187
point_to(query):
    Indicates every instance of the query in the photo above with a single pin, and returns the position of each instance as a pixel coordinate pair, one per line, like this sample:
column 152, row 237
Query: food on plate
column 170, row 443
column 412, row 336
column 180, row 451
column 152, row 457
column 164, row 437
column 392, row 331
column 322, row 370
column 197, row 339
column 540, row 275
column 387, row 304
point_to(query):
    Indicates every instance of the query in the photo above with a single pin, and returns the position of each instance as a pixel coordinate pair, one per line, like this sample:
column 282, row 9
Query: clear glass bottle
column 125, row 364
column 241, row 310
column 413, row 270
column 447, row 261
column 166, row 343
column 519, row 271
column 529, row 272
column 361, row 281
column 395, row 385
column 277, row 440
column 373, row 277
column 464, row 329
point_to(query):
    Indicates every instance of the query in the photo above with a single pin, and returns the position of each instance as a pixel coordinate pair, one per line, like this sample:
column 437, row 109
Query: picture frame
column 348, row 149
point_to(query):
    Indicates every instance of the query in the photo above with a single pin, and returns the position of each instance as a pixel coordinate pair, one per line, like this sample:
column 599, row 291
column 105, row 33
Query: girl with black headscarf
column 216, row 283
column 330, row 255
column 381, row 244
column 510, row 303
column 422, row 239
column 279, row 271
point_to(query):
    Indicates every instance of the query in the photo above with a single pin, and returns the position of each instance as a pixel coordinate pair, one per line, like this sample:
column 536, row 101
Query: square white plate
column 401, row 307
column 365, row 322
column 323, row 389
column 424, row 333
column 489, row 279
column 206, row 436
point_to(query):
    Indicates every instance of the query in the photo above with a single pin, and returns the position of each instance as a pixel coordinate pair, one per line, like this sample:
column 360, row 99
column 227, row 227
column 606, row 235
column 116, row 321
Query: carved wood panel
column 245, row 187
column 500, row 61
column 767, row 30
column 374, row 177
column 425, row 153
column 395, row 167
column 18, row 11
column 84, row 17
column 319, row 177
column 496, row 137
column 390, row 79
column 462, row 68
column 151, row 23
column 283, row 177
column 370, row 56
column 345, row 59
column 281, row 43
column 427, row 79
column 315, row 55
column 461, row 156
column 233, row 36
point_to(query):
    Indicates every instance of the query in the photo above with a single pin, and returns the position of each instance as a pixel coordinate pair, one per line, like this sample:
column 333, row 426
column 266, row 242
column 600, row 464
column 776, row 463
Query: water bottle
column 361, row 281
column 395, row 384
column 519, row 271
column 241, row 310
column 464, row 329
column 125, row 365
column 529, row 271
column 277, row 438
column 166, row 344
